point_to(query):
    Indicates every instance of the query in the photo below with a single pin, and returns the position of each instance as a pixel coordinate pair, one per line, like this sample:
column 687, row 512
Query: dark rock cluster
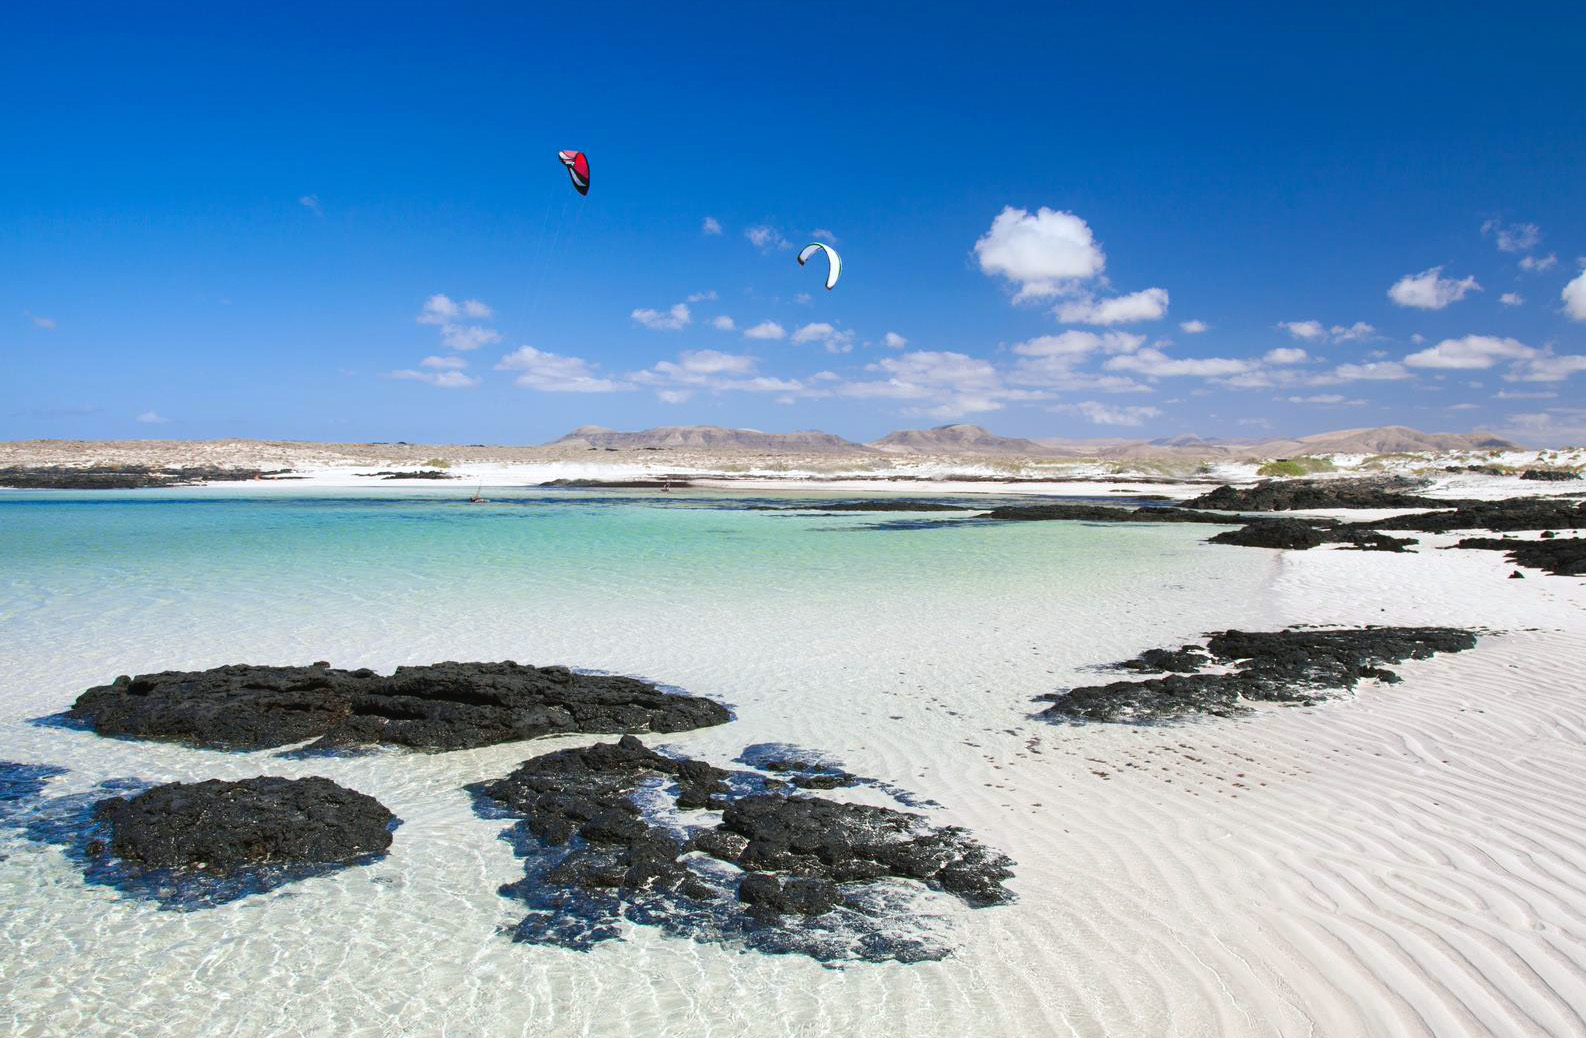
column 444, row 706
column 223, row 826
column 1563, row 556
column 1103, row 514
column 1284, row 495
column 1292, row 666
column 121, row 477
column 617, row 831
column 620, row 484
column 1550, row 475
column 1520, row 513
column 1300, row 534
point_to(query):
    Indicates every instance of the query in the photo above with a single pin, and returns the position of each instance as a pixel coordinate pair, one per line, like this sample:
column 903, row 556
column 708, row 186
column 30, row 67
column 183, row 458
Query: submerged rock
column 221, row 826
column 1292, row 666
column 444, row 706
column 618, row 831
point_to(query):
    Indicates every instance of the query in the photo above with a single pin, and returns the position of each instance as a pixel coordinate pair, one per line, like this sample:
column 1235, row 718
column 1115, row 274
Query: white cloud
column 722, row 323
column 1514, row 237
column 441, row 310
column 1537, row 264
column 448, row 363
column 39, row 320
column 1148, row 304
column 701, row 297
column 554, row 373
column 311, row 203
column 152, row 418
column 1463, row 407
column 1511, row 299
column 1046, row 253
column 443, row 379
column 951, row 384
column 1574, row 296
column 1547, row 367
column 822, row 234
column 1306, row 331
column 710, row 226
column 765, row 330
column 709, row 362
column 1194, row 327
column 1470, row 352
column 1153, row 363
column 1376, row 371
column 676, row 396
column 1324, row 398
column 1076, row 343
column 834, row 339
column 1504, row 394
column 1555, row 427
column 1106, row 414
column 663, row 320
column 1358, row 330
column 892, row 340
column 1286, row 355
column 468, row 336
column 1430, row 290
column 765, row 238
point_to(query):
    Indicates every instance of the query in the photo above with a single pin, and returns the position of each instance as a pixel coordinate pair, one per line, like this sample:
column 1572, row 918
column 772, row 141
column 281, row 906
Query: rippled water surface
column 911, row 655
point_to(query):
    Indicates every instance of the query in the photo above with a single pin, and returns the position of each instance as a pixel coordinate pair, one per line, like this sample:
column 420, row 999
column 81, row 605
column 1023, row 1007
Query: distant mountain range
column 966, row 439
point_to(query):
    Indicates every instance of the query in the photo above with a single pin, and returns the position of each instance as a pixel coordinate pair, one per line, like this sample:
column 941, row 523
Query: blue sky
column 348, row 221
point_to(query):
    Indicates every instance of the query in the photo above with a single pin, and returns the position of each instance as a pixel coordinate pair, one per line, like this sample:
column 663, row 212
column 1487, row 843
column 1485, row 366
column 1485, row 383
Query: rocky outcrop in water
column 1284, row 495
column 122, row 477
column 1293, row 666
column 618, row 831
column 444, row 706
column 221, row 826
column 1562, row 556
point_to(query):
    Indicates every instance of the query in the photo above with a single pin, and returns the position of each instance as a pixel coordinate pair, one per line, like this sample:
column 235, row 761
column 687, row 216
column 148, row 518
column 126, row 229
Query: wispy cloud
column 1098, row 413
column 894, row 341
column 449, row 316
column 766, row 238
column 1194, row 327
column 450, row 379
column 710, row 226
column 39, row 320
column 1514, row 237
column 311, row 203
column 671, row 320
column 834, row 339
column 556, row 373
column 152, row 418
column 1149, row 304
column 765, row 330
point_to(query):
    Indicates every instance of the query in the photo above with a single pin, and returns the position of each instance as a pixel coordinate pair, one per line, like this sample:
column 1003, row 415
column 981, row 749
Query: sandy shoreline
column 1399, row 861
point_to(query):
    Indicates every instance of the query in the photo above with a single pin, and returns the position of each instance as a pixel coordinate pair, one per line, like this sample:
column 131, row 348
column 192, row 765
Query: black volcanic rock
column 1550, row 475
column 1283, row 495
column 221, row 826
column 1292, row 666
column 612, row 831
column 1563, row 556
column 444, row 706
column 1301, row 534
column 121, row 477
column 1521, row 513
column 1103, row 514
column 1273, row 533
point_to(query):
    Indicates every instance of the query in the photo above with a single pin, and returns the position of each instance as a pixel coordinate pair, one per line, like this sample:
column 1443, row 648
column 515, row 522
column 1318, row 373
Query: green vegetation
column 1303, row 466
column 437, row 463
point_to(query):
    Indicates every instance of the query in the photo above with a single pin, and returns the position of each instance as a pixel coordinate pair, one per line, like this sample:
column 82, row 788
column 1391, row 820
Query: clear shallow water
column 911, row 655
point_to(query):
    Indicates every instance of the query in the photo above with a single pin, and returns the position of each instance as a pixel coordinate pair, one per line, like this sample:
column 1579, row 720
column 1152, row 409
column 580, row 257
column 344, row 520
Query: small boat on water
column 478, row 498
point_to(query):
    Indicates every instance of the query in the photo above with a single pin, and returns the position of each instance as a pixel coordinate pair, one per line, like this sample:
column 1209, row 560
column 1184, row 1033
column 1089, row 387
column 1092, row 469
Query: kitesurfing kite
column 578, row 169
column 835, row 260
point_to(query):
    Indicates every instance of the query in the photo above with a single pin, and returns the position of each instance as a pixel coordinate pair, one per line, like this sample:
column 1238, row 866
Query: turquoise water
column 912, row 655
